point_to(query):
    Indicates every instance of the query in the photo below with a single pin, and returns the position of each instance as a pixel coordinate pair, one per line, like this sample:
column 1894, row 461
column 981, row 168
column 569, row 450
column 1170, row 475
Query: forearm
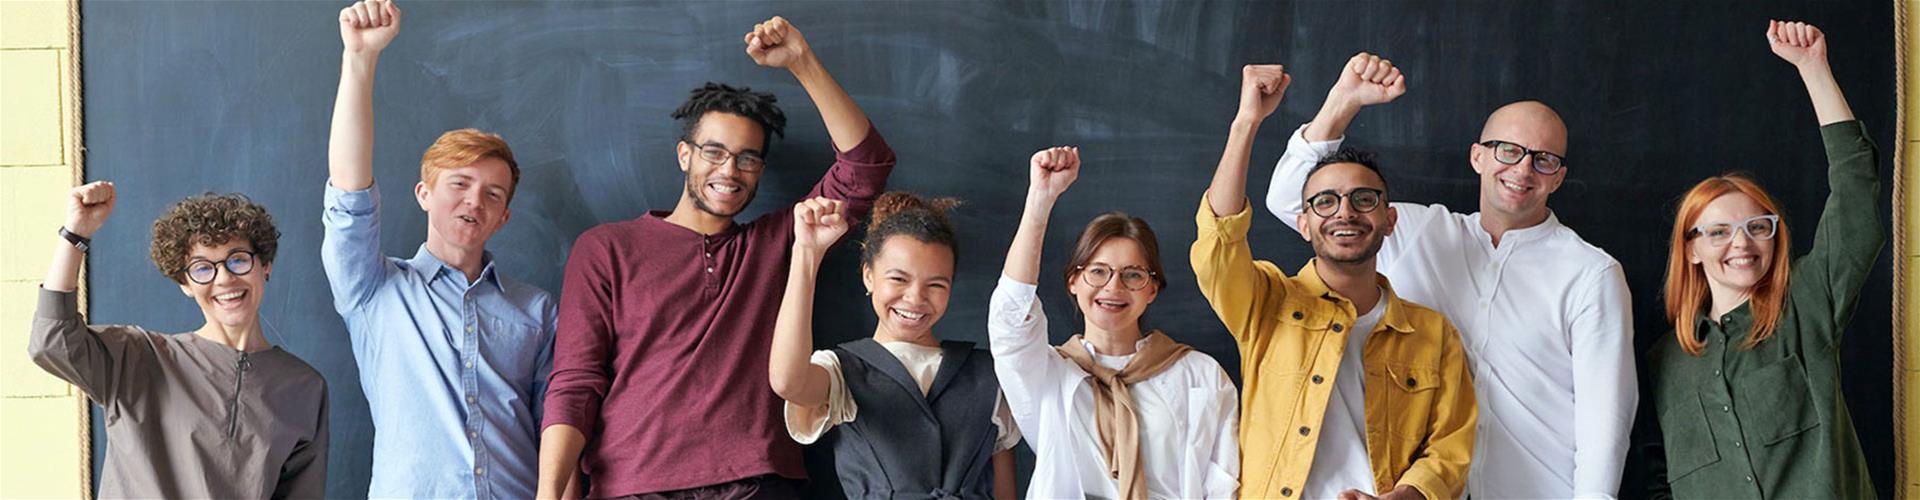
column 1227, row 195
column 63, row 275
column 788, row 371
column 1829, row 104
column 560, row 447
column 1004, row 479
column 1023, row 257
column 350, row 141
column 1332, row 120
column 846, row 123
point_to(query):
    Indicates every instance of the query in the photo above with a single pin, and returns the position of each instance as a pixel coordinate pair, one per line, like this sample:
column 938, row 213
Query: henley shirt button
column 1317, row 379
column 1303, row 430
column 709, row 270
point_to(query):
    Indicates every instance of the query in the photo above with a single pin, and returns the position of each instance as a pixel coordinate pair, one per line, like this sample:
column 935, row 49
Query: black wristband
column 78, row 241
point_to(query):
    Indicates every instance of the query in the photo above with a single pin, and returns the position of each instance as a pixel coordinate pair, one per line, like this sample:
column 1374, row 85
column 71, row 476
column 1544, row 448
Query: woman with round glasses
column 1117, row 411
column 218, row 412
column 1748, row 390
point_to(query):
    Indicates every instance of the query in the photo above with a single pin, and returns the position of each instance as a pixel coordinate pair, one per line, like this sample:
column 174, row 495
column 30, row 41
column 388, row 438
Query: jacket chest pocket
column 1687, row 435
column 1774, row 404
column 1410, row 401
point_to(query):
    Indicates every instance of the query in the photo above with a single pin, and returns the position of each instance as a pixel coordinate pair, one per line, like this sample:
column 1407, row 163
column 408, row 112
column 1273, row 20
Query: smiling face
column 911, row 281
column 1743, row 261
column 1516, row 191
column 230, row 300
column 722, row 190
column 1348, row 236
column 1112, row 307
column 466, row 205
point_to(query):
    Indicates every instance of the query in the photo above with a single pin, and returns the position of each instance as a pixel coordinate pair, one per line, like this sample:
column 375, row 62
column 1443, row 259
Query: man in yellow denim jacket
column 1295, row 335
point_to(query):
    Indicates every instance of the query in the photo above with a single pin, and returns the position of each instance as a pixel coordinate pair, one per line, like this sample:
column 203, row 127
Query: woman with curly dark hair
column 215, row 413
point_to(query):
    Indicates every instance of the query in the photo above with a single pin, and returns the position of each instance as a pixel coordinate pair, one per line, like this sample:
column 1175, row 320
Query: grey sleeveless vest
column 906, row 446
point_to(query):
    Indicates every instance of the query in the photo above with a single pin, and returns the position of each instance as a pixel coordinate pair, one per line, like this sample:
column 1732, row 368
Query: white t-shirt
column 1340, row 459
column 806, row 425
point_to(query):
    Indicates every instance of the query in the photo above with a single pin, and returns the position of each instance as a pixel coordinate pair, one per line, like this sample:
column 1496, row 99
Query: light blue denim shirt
column 454, row 373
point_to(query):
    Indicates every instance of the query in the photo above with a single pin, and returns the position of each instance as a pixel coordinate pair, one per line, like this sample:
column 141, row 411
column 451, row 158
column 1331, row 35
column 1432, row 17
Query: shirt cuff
column 805, row 425
column 57, row 305
column 1429, row 485
column 1318, row 148
column 1229, row 228
column 362, row 202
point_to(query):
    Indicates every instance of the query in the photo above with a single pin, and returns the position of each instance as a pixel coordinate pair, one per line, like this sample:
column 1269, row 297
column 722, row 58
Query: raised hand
column 1368, row 80
column 776, row 43
column 1261, row 86
column 1053, row 169
column 817, row 223
column 369, row 25
column 88, row 207
column 1798, row 43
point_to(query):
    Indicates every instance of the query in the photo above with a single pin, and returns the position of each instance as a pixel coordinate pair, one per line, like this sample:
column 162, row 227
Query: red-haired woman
column 1748, row 389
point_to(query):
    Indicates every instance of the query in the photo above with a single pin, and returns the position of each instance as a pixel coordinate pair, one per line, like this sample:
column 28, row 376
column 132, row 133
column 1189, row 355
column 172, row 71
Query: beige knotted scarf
column 1113, row 403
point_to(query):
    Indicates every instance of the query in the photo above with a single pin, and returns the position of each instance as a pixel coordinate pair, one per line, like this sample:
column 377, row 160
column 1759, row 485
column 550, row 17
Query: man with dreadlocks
column 660, row 362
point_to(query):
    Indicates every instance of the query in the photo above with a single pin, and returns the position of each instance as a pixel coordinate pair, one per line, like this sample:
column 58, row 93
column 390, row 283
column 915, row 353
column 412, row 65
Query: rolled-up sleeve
column 858, row 175
column 583, row 343
column 350, row 246
column 1017, row 336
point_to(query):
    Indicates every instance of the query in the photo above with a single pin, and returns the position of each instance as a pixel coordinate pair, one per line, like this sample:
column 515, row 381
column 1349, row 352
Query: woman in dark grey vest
column 905, row 414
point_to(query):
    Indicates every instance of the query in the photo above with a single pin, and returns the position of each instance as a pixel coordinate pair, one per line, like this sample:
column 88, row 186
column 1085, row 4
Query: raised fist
column 1368, row 80
column 1053, row 169
column 1261, row 86
column 817, row 223
column 368, row 25
column 1797, row 43
column 776, row 43
column 88, row 207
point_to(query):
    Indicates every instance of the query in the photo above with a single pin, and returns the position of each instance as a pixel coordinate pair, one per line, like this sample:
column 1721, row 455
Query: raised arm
column 1365, row 80
column 366, row 28
column 1805, row 47
column 1016, row 324
column 1261, row 87
column 60, row 341
column 776, row 43
column 817, row 223
column 1049, row 173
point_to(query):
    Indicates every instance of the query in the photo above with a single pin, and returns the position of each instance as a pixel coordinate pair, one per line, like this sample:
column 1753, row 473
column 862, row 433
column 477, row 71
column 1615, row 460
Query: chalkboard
column 183, row 97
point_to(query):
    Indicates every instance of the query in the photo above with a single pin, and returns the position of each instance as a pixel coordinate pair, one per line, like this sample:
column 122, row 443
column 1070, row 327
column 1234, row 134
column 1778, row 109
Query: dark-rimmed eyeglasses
column 717, row 155
column 1544, row 162
column 1131, row 278
column 203, row 271
column 1363, row 200
column 1758, row 227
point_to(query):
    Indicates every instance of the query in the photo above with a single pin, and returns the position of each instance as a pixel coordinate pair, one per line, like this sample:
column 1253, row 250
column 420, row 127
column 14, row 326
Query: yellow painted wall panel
column 33, row 24
column 42, row 460
column 31, row 133
column 19, row 377
column 35, row 205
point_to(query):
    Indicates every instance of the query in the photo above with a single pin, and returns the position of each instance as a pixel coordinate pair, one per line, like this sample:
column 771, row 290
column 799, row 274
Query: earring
column 869, row 293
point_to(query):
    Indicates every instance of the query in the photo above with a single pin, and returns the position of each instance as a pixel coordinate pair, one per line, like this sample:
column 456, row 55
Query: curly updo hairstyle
column 212, row 220
column 906, row 214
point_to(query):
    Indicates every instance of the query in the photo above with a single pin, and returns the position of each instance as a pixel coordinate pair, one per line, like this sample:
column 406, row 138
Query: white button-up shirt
column 1188, row 414
column 1546, row 320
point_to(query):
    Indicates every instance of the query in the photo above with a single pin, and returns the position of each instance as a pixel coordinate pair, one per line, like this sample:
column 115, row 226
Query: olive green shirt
column 1771, row 421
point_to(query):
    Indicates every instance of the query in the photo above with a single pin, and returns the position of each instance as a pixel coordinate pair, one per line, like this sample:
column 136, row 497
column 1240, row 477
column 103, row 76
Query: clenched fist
column 369, row 25
column 88, row 207
column 1368, row 80
column 776, row 43
column 1261, row 86
column 1053, row 169
column 817, row 223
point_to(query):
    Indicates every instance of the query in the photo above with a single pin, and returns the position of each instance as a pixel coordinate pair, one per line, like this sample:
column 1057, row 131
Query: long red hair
column 1687, row 291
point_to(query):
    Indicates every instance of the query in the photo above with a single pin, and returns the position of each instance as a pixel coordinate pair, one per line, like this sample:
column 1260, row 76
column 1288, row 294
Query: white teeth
column 724, row 188
column 1740, row 261
column 469, row 219
column 229, row 296
column 910, row 316
column 1109, row 303
column 1513, row 187
column 1346, row 232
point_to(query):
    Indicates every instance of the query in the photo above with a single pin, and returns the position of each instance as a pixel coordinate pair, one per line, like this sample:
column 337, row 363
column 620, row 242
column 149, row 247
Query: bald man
column 1545, row 316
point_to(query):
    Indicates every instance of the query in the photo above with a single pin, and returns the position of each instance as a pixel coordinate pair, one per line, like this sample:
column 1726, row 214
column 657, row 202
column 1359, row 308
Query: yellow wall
column 42, row 419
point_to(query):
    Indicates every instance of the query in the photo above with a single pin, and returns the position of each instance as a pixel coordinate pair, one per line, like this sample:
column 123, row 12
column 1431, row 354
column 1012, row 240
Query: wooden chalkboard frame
column 1905, row 429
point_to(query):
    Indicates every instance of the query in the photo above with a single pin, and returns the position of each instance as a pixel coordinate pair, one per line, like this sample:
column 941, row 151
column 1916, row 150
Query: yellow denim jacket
column 1420, row 410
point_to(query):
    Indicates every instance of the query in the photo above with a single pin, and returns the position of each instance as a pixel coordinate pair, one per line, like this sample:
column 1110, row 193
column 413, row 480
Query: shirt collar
column 1524, row 234
column 1395, row 319
column 426, row 262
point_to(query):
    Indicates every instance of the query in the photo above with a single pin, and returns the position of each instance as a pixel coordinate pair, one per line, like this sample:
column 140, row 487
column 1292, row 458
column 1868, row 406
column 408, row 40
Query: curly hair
column 212, row 220
column 906, row 214
column 743, row 101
